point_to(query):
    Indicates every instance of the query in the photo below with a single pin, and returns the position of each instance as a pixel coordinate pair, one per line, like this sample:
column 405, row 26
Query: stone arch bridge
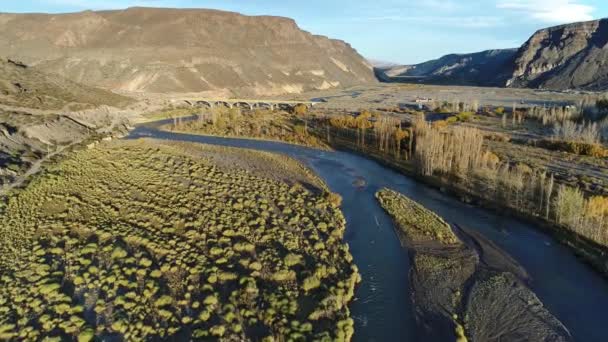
column 248, row 104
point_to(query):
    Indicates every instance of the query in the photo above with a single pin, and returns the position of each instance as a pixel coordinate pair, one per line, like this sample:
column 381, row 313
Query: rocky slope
column 41, row 114
column 564, row 57
column 25, row 87
column 573, row 56
column 182, row 50
column 461, row 69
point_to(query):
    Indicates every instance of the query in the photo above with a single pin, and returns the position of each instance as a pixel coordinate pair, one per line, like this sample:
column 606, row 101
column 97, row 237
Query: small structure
column 423, row 100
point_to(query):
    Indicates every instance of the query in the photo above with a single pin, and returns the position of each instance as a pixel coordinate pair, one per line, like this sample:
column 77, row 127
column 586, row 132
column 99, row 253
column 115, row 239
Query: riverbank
column 382, row 310
column 464, row 290
column 590, row 252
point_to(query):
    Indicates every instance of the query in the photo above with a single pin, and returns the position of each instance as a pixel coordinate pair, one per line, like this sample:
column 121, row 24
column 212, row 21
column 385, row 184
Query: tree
column 300, row 109
column 569, row 206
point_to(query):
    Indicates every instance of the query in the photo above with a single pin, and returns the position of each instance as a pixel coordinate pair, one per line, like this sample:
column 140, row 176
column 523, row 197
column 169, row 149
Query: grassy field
column 143, row 239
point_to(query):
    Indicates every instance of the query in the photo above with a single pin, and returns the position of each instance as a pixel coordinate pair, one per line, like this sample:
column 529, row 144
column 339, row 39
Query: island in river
column 463, row 285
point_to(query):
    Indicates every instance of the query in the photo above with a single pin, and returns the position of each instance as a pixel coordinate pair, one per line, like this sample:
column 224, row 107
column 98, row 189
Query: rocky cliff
column 182, row 50
column 573, row 56
column 564, row 57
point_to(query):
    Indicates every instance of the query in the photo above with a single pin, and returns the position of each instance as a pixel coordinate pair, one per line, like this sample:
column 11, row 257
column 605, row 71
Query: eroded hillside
column 183, row 50
column 43, row 114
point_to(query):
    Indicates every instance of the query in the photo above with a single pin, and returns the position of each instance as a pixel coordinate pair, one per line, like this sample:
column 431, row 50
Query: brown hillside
column 25, row 87
column 182, row 50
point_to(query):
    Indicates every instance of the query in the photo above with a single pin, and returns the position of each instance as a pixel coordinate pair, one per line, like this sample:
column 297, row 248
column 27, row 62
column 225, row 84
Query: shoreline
column 596, row 256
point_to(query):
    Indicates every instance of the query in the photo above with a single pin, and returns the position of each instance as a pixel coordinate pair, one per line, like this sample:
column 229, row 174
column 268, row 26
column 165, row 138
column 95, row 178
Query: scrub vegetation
column 419, row 223
column 143, row 239
column 287, row 126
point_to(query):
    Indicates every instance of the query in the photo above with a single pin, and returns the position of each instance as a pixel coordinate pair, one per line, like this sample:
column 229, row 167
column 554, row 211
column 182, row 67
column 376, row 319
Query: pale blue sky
column 403, row 31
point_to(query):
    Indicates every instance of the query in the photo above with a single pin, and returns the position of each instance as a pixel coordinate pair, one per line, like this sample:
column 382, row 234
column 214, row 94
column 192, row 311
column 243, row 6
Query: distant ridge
column 571, row 56
column 182, row 50
column 460, row 69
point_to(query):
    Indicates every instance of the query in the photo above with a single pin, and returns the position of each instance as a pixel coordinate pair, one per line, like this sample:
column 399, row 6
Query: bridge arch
column 203, row 103
column 224, row 103
column 265, row 105
column 243, row 105
column 285, row 106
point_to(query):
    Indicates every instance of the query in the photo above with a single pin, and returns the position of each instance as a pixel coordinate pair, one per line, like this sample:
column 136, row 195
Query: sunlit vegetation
column 419, row 223
column 290, row 127
column 142, row 240
column 456, row 157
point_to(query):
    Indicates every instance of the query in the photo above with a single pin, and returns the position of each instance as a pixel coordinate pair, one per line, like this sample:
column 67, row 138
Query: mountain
column 25, row 87
column 182, row 50
column 458, row 69
column 572, row 56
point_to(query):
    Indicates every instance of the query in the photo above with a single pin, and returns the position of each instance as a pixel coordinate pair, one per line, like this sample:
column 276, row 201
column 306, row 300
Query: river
column 570, row 289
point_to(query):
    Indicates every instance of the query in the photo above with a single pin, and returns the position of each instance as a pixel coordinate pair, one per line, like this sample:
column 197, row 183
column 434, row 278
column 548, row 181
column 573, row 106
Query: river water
column 382, row 309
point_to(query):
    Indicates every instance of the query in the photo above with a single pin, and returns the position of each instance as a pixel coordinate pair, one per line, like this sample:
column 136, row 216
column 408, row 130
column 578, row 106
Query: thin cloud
column 550, row 11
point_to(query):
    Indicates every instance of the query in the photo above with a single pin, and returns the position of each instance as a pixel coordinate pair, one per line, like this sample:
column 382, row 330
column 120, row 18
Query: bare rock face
column 573, row 56
column 564, row 57
column 182, row 50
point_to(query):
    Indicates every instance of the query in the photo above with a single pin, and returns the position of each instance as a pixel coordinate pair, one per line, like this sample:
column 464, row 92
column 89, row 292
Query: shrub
column 119, row 253
column 86, row 335
column 300, row 109
column 218, row 330
column 465, row 116
column 570, row 131
column 311, row 283
column 597, row 207
column 580, row 148
column 334, row 198
column 283, row 275
column 300, row 130
column 292, row 259
column 569, row 206
column 441, row 124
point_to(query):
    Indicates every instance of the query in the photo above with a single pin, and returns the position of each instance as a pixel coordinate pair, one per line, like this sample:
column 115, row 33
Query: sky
column 399, row 31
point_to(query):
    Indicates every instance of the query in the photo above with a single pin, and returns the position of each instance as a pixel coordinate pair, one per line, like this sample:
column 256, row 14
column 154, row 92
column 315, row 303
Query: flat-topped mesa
column 161, row 50
column 417, row 222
